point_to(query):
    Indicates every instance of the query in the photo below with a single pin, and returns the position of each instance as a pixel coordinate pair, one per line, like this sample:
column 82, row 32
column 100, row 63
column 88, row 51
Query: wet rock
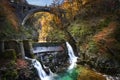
column 28, row 48
column 52, row 55
column 107, row 65
column 56, row 61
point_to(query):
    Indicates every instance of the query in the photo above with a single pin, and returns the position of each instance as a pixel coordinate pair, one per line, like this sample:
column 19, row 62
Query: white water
column 45, row 49
column 72, row 57
column 42, row 74
column 38, row 66
column 108, row 77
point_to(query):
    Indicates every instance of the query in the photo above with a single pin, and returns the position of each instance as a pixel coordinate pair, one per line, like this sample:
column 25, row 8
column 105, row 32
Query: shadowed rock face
column 56, row 61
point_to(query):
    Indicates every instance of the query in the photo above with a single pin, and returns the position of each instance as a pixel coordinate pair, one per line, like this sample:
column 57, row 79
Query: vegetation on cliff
column 91, row 26
column 10, row 27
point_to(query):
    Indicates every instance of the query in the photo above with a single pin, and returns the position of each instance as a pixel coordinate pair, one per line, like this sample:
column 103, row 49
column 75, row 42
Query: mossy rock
column 87, row 74
column 93, row 48
column 10, row 75
column 9, row 54
column 11, row 64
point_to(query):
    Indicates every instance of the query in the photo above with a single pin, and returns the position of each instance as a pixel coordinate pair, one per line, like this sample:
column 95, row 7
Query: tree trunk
column 22, row 50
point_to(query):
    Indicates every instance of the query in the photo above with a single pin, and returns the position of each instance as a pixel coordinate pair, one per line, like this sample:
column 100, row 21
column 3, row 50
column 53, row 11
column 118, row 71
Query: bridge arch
column 31, row 12
column 24, row 10
column 40, row 9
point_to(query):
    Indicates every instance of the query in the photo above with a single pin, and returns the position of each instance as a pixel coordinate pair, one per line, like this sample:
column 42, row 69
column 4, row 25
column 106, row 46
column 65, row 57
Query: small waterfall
column 72, row 57
column 41, row 73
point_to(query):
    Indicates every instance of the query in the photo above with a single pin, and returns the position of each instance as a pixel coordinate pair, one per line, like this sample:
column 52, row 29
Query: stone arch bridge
column 24, row 10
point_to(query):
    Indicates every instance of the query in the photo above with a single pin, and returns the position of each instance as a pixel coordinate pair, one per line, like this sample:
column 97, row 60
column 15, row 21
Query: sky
column 40, row 2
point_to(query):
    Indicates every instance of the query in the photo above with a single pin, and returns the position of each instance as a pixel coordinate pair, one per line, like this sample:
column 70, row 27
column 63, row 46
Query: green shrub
column 93, row 48
column 104, row 23
column 9, row 54
column 11, row 64
column 10, row 75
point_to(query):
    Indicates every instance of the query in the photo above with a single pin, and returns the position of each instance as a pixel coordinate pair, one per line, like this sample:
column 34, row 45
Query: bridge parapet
column 19, row 1
column 49, row 47
column 24, row 10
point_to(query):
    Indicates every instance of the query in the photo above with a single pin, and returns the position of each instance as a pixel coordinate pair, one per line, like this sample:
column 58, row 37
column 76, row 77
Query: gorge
column 35, row 40
column 44, row 76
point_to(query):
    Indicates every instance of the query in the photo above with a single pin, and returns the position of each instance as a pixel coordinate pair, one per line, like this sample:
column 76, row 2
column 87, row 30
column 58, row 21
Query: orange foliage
column 71, row 8
column 9, row 12
column 103, row 38
column 106, row 32
column 45, row 23
column 21, row 64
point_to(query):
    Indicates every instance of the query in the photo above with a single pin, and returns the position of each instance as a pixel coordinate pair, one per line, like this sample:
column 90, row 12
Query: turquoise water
column 67, row 75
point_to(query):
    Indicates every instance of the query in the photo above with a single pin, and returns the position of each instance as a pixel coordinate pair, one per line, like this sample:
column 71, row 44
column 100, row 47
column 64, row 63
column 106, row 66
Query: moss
column 55, row 35
column 87, row 74
column 104, row 23
column 11, row 64
column 11, row 72
column 6, row 29
column 10, row 75
column 93, row 48
column 9, row 54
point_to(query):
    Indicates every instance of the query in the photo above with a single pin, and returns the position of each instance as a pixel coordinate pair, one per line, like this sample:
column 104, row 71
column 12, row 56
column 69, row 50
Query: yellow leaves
column 44, row 33
column 71, row 8
column 88, row 1
column 85, row 1
column 66, row 5
column 45, row 20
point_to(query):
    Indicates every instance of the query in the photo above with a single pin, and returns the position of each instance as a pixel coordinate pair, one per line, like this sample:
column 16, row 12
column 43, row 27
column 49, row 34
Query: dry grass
column 104, row 38
column 87, row 74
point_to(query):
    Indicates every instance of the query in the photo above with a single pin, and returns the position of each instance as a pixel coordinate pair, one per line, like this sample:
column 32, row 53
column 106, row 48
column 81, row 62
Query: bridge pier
column 28, row 50
column 22, row 50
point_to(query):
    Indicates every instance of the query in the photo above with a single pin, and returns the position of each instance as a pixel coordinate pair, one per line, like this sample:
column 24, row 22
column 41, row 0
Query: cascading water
column 72, row 57
column 42, row 74
column 66, row 75
column 38, row 66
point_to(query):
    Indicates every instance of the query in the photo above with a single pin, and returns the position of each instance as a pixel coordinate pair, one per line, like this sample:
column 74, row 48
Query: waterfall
column 41, row 73
column 72, row 57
